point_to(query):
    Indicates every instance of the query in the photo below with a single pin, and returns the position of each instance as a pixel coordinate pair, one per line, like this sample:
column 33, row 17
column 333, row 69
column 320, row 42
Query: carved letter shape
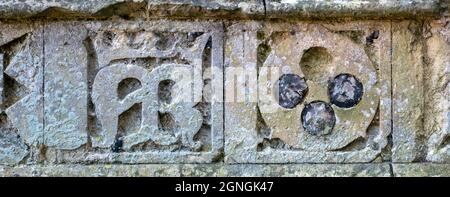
column 108, row 106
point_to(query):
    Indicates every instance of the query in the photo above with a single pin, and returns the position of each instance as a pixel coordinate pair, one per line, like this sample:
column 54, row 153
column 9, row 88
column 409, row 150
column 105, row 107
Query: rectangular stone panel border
column 64, row 140
column 240, row 118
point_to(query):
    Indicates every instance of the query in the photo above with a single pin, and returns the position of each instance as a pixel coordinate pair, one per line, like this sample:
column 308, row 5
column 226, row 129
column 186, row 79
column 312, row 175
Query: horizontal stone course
column 204, row 170
column 235, row 170
column 421, row 170
column 221, row 8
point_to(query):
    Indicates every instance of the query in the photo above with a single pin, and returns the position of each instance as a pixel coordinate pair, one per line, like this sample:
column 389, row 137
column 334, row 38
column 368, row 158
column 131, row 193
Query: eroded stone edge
column 222, row 9
column 421, row 170
column 203, row 170
column 358, row 8
column 221, row 170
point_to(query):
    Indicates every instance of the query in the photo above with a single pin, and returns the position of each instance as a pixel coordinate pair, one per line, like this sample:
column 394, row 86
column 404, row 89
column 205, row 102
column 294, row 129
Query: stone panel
column 408, row 98
column 133, row 92
column 201, row 170
column 21, row 118
column 65, row 87
column 437, row 91
column 421, row 106
column 343, row 114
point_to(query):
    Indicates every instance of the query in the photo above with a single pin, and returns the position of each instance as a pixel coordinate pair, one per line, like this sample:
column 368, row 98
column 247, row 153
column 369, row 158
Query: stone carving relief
column 142, row 92
column 21, row 102
column 322, row 91
column 151, row 92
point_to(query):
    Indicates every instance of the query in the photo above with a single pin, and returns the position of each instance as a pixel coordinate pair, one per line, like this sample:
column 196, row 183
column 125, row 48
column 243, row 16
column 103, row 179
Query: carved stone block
column 437, row 91
column 307, row 92
column 421, row 94
column 21, row 117
column 65, row 86
column 134, row 92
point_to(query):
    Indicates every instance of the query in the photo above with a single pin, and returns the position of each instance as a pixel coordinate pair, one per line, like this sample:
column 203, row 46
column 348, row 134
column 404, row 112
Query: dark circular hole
column 345, row 90
column 292, row 90
column 318, row 118
column 117, row 145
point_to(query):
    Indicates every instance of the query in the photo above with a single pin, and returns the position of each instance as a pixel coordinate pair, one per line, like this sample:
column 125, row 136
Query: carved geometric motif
column 322, row 92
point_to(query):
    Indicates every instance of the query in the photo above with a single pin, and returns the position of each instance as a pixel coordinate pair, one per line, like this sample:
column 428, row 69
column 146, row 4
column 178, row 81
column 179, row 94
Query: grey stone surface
column 437, row 91
column 22, row 103
column 354, row 8
column 130, row 8
column 235, row 170
column 259, row 130
column 65, row 86
column 203, row 170
column 421, row 170
column 420, row 95
column 206, row 8
column 136, row 88
column 221, row 8
column 71, row 8
column 12, row 149
column 408, row 98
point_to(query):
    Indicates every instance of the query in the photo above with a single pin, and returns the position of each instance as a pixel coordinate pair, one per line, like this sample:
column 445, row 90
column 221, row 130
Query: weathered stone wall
column 225, row 88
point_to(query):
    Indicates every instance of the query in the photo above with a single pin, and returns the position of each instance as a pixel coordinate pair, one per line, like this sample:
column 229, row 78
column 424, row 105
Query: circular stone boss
column 318, row 118
column 292, row 90
column 345, row 90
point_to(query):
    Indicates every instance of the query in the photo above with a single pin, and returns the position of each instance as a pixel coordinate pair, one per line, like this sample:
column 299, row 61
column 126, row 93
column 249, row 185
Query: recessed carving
column 152, row 91
column 315, row 62
column 128, row 86
column 310, row 68
column 165, row 91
